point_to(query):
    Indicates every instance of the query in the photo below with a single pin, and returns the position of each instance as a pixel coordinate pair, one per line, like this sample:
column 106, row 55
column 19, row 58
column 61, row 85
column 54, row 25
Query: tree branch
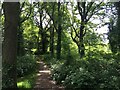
column 75, row 30
column 28, row 14
column 88, row 8
column 52, row 20
column 93, row 11
column 73, row 38
column 47, row 24
column 79, row 8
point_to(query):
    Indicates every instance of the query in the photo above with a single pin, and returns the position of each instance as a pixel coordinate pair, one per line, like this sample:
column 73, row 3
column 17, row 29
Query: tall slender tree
column 25, row 13
column 86, row 11
column 52, row 33
column 40, row 19
column 51, row 11
column 59, row 33
column 114, row 29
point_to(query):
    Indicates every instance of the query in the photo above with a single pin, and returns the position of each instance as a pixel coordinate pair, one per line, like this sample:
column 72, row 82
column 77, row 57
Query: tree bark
column 81, row 45
column 59, row 33
column 52, row 42
column 43, row 42
column 38, row 43
column 20, row 42
column 11, row 13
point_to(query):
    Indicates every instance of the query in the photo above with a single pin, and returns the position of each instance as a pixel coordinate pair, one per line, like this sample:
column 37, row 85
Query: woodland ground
column 44, row 80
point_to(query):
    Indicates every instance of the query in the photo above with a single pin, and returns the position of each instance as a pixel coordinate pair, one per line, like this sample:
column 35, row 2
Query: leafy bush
column 61, row 70
column 91, row 74
column 25, row 65
column 59, row 74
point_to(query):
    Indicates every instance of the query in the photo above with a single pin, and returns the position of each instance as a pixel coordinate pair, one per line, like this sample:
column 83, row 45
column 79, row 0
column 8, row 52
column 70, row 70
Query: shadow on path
column 43, row 81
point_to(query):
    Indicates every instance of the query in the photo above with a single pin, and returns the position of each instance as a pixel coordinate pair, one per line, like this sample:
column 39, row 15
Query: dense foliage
column 25, row 65
column 114, row 30
column 88, row 73
column 69, row 37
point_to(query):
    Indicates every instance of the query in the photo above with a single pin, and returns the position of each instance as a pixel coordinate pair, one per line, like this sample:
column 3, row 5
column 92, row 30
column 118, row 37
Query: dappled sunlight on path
column 44, row 81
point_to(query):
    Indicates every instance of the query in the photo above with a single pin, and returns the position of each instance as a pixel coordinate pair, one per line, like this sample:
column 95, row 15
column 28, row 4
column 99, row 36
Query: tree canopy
column 65, row 36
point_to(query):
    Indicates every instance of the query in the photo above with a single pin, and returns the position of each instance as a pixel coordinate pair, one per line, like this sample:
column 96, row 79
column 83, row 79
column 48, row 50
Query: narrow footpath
column 44, row 81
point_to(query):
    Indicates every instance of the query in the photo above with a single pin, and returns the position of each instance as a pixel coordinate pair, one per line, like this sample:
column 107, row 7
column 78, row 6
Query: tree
column 40, row 18
column 59, row 30
column 11, row 13
column 25, row 13
column 0, row 44
column 52, row 42
column 52, row 32
column 51, row 10
column 86, row 11
column 114, row 30
column 118, row 27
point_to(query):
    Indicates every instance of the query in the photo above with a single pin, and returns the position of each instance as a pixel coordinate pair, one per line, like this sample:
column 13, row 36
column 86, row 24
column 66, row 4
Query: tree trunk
column 118, row 26
column 20, row 43
column 52, row 42
column 59, row 33
column 81, row 44
column 11, row 12
column 43, row 37
column 38, row 43
column 43, row 42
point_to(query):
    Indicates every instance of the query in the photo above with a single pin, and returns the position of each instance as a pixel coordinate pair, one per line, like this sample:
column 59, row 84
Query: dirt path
column 43, row 81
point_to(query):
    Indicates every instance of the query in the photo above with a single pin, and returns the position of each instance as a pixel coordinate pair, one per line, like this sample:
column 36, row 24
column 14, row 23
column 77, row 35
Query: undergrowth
column 90, row 73
column 26, row 71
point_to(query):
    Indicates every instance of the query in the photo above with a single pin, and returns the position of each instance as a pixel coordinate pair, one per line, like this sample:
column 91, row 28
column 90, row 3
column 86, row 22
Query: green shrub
column 92, row 74
column 61, row 70
column 59, row 74
column 25, row 65
column 80, row 79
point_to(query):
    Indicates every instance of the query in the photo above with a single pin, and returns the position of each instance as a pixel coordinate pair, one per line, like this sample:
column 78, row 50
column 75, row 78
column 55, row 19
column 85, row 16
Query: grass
column 28, row 81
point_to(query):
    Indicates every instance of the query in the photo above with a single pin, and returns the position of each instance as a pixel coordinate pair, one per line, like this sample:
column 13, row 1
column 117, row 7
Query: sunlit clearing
column 24, row 84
